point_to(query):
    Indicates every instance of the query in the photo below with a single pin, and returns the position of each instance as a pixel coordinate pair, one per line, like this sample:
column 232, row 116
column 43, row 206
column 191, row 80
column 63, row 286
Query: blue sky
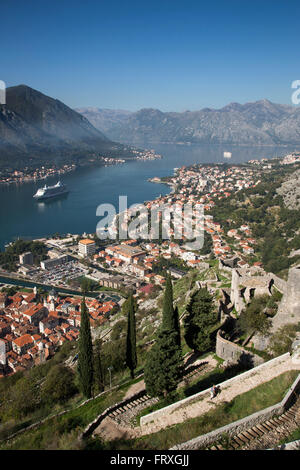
column 171, row 55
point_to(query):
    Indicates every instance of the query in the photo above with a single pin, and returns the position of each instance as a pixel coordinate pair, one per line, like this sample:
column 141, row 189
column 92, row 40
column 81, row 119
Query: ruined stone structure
column 289, row 307
column 247, row 283
column 236, row 292
column 233, row 353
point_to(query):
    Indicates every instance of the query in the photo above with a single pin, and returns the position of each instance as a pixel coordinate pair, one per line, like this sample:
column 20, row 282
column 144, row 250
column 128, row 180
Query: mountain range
column 36, row 129
column 258, row 123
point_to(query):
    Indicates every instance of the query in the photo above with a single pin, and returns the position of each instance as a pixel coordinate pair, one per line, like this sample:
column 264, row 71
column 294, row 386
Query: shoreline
column 101, row 161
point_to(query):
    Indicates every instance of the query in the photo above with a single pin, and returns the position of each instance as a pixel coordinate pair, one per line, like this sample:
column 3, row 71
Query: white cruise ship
column 51, row 191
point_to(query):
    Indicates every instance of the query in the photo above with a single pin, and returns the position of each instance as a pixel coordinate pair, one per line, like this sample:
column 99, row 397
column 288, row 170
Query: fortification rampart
column 232, row 352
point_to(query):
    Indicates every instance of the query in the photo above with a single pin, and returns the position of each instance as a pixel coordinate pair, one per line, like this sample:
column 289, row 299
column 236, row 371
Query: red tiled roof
column 22, row 340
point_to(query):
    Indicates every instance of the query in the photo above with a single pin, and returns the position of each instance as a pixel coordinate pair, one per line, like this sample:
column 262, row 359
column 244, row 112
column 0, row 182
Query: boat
column 51, row 191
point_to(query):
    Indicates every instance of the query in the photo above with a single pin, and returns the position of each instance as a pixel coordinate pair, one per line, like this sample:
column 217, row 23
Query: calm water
column 22, row 216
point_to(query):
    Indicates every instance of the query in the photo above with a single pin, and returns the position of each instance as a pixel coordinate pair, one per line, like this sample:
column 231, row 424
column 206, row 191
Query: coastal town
column 28, row 174
column 33, row 326
column 150, row 230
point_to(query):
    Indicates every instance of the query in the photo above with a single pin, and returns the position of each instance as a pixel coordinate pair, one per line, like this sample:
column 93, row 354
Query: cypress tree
column 164, row 366
column 168, row 322
column 200, row 320
column 131, row 357
column 177, row 325
column 98, row 369
column 85, row 355
column 170, row 314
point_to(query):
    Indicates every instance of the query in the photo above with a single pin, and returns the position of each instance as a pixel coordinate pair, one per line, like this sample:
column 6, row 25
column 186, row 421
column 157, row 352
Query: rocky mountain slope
column 258, row 123
column 290, row 191
column 35, row 128
column 104, row 119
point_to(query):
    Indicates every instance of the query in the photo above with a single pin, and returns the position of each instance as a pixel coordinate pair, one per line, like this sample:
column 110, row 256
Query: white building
column 86, row 247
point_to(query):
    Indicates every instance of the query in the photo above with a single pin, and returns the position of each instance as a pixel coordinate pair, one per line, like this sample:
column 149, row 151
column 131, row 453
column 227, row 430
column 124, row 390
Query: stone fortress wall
column 242, row 424
column 234, row 353
column 289, row 307
column 247, row 283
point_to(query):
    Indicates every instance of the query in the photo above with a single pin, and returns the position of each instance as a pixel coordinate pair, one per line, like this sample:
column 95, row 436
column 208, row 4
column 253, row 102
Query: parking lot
column 69, row 270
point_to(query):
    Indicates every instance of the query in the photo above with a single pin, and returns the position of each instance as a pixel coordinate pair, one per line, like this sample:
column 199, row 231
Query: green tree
column 177, row 325
column 118, row 330
column 85, row 285
column 114, row 355
column 23, row 398
column 59, row 385
column 85, row 355
column 131, row 357
column 168, row 322
column 126, row 305
column 98, row 368
column 200, row 320
column 253, row 317
column 164, row 366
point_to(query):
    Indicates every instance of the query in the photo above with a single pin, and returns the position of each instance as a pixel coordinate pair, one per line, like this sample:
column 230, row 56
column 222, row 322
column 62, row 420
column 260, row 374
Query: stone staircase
column 264, row 435
column 125, row 415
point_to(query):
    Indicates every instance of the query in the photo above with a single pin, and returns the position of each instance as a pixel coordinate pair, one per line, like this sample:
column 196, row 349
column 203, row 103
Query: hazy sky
column 167, row 54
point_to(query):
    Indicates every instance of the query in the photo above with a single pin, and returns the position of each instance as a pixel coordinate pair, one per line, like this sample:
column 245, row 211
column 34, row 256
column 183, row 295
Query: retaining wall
column 243, row 424
column 94, row 424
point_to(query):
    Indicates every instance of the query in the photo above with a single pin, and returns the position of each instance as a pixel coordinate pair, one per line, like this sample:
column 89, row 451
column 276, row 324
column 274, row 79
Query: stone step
column 290, row 413
column 283, row 419
column 252, row 433
column 266, row 427
column 280, row 420
column 219, row 447
column 261, row 428
column 258, row 431
column 234, row 443
column 248, row 435
column 242, row 438
column 271, row 423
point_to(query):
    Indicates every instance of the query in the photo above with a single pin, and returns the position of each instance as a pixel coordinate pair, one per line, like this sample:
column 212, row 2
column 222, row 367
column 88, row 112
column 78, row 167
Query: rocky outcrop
column 290, row 191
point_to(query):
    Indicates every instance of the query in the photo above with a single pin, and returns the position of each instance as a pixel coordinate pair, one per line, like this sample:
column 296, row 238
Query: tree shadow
column 215, row 377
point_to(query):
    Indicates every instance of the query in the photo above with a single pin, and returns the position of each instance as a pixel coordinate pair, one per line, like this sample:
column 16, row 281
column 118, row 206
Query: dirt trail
column 110, row 430
column 135, row 388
